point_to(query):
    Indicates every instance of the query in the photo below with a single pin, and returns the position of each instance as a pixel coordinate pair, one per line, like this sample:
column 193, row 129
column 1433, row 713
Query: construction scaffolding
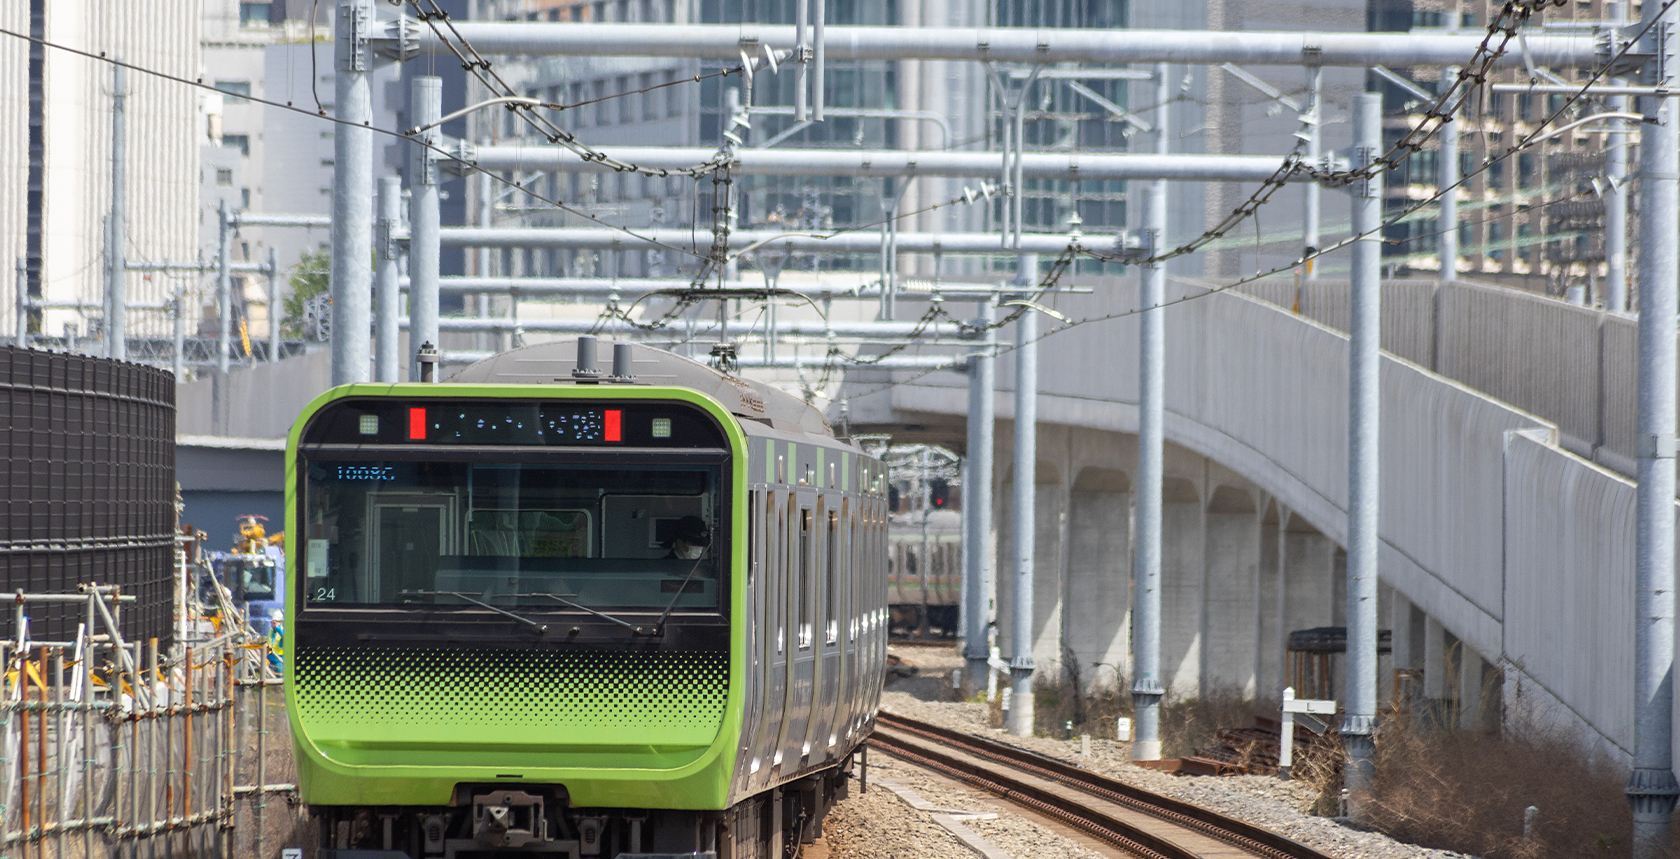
column 111, row 748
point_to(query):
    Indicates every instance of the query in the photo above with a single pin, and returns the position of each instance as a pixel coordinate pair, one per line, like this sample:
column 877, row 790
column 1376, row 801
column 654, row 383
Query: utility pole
column 116, row 297
column 977, row 500
column 424, row 221
column 1313, row 119
column 224, row 286
column 1364, row 396
column 22, row 321
column 179, row 306
column 1446, row 172
column 1146, row 547
column 274, row 310
column 1615, row 194
column 1026, row 479
column 1652, row 789
column 352, row 194
column 387, row 358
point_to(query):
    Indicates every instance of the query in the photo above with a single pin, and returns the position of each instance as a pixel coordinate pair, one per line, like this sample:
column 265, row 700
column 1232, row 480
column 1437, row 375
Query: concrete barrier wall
column 1574, row 366
column 1569, row 533
column 258, row 401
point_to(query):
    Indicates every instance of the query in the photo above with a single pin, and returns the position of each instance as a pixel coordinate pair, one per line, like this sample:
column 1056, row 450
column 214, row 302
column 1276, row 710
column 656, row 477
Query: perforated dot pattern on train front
column 487, row 688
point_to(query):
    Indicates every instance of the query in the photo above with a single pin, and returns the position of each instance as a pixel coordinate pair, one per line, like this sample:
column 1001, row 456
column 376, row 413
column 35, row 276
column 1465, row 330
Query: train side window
column 807, row 593
column 831, row 581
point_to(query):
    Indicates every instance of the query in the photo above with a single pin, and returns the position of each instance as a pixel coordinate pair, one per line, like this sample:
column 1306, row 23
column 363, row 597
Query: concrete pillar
column 1268, row 639
column 1477, row 691
column 1183, row 576
column 1050, row 505
column 1229, row 617
column 1436, row 663
column 1406, row 646
column 1306, row 581
column 1097, row 616
column 1385, row 661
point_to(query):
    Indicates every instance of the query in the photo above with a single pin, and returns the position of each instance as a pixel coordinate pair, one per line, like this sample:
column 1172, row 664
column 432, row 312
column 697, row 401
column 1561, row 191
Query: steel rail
column 1237, row 833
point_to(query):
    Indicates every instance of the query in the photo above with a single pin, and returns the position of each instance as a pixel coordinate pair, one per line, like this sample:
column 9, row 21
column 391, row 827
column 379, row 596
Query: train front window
column 530, row 537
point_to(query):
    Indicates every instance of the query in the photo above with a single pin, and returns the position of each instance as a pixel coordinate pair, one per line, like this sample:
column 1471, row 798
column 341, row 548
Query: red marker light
column 417, row 424
column 613, row 423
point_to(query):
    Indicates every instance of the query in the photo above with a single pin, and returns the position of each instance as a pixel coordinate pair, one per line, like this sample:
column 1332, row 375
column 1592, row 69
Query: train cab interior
column 515, row 535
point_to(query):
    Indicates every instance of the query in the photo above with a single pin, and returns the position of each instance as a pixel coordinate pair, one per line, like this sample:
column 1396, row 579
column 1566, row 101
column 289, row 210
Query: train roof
column 552, row 364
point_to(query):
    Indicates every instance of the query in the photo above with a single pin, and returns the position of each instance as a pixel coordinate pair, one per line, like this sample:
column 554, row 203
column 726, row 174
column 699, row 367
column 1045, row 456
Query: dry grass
column 1064, row 707
column 1466, row 791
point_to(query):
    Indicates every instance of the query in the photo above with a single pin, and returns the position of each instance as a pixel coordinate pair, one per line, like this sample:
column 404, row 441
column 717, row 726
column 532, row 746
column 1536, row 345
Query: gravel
column 880, row 825
column 1264, row 801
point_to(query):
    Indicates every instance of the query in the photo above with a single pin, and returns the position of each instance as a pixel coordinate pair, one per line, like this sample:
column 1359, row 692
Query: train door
column 409, row 534
column 833, row 654
column 802, row 537
column 775, row 638
column 844, row 613
column 757, row 661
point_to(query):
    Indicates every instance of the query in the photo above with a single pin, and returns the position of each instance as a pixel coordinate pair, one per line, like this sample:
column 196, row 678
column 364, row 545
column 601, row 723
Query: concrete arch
column 1097, row 629
column 1093, row 478
column 1231, row 500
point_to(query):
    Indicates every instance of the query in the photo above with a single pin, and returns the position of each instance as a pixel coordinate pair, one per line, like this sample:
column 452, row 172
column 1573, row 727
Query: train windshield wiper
column 540, row 627
column 562, row 599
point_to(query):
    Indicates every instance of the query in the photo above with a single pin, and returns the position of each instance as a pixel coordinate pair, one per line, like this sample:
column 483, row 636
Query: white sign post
column 1307, row 710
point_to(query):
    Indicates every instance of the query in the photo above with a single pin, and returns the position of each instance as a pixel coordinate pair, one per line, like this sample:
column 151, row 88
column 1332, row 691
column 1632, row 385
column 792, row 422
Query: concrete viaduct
column 1507, row 517
column 1507, row 543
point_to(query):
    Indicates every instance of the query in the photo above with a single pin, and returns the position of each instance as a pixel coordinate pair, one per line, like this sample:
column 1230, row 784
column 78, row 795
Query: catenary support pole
column 1313, row 119
column 424, row 220
column 1146, row 545
column 21, row 339
column 1364, row 378
column 274, row 310
column 1651, row 789
column 1446, row 172
column 977, row 503
column 224, row 286
column 387, row 297
column 352, row 193
column 116, row 323
column 1616, row 213
column 178, row 307
column 1615, row 292
column 1025, row 482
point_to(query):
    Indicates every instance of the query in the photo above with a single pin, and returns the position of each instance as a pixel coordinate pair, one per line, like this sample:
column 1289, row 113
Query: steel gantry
column 404, row 39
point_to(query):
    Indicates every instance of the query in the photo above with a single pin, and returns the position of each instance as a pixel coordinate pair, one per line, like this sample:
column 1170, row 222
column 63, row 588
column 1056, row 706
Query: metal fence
column 113, row 748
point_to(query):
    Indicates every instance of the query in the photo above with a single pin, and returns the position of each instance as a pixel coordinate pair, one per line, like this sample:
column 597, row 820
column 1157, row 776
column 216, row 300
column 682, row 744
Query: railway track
column 1133, row 819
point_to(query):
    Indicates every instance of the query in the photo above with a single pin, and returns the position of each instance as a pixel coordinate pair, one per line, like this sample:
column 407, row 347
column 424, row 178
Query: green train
column 548, row 609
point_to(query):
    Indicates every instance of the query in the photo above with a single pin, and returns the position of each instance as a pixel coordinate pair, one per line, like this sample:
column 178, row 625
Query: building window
column 254, row 14
column 673, row 104
column 224, row 176
column 626, row 101
column 603, row 108
column 237, row 91
column 244, row 198
column 241, row 142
